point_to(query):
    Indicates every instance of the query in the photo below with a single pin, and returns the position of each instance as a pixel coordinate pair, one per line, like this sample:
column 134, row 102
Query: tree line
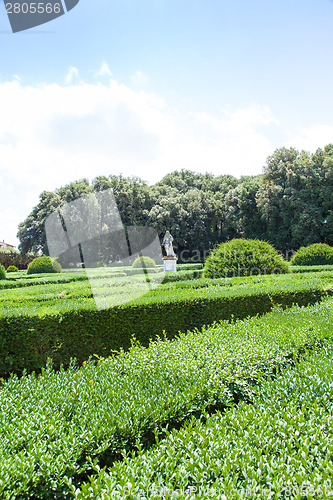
column 289, row 205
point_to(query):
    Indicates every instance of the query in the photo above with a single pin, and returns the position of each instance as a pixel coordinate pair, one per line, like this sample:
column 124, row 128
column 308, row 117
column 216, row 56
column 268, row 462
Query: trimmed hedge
column 54, row 427
column 183, row 275
column 144, row 262
column 38, row 279
column 278, row 447
column 189, row 267
column 310, row 269
column 2, row 272
column 241, row 257
column 43, row 298
column 318, row 254
column 28, row 340
column 45, row 265
column 12, row 269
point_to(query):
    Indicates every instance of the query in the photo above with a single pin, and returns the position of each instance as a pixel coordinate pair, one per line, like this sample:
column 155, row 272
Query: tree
column 242, row 214
column 295, row 197
column 289, row 205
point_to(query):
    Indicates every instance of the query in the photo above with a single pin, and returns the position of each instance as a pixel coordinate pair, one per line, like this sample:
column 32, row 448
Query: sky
column 146, row 87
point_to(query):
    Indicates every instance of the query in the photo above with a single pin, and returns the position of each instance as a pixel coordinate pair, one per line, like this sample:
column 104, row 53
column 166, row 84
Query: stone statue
column 167, row 243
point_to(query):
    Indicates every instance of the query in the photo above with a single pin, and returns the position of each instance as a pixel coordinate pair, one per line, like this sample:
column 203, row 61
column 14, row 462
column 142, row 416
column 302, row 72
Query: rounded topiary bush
column 241, row 257
column 2, row 272
column 12, row 269
column 318, row 254
column 43, row 265
column 144, row 261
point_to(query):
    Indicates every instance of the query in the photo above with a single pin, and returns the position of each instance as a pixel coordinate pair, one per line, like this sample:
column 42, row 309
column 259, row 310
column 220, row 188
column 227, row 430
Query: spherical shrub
column 12, row 269
column 241, row 257
column 144, row 261
column 318, row 254
column 43, row 265
column 2, row 272
column 56, row 265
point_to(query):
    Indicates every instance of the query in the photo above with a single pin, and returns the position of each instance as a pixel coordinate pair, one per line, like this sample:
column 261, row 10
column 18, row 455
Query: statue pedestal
column 170, row 264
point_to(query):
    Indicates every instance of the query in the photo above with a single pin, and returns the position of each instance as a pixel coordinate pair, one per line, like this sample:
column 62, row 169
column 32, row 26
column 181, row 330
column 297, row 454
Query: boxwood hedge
column 242, row 257
column 318, row 254
column 32, row 332
column 55, row 426
column 279, row 447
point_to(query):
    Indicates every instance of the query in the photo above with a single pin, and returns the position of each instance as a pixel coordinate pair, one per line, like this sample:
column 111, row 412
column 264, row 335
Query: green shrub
column 189, row 267
column 65, row 421
column 12, row 257
column 132, row 271
column 144, row 261
column 183, row 275
column 240, row 257
column 56, row 265
column 311, row 269
column 43, row 265
column 68, row 328
column 223, row 455
column 12, row 269
column 2, row 272
column 318, row 254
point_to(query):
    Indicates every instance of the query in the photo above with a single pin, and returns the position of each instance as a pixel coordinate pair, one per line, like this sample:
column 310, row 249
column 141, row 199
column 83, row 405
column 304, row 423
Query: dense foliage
column 240, row 257
column 12, row 269
column 318, row 254
column 12, row 257
column 2, row 272
column 62, row 320
column 278, row 447
column 143, row 262
column 43, row 265
column 290, row 205
column 54, row 427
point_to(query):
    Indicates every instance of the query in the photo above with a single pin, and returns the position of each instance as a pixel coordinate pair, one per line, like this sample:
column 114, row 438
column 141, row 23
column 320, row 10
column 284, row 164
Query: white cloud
column 104, row 70
column 72, row 75
column 311, row 138
column 139, row 78
column 52, row 134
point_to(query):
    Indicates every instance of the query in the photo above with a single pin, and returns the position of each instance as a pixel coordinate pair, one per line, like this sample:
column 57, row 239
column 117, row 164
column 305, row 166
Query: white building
column 5, row 245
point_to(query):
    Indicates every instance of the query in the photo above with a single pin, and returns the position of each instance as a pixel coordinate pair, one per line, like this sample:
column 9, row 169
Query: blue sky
column 146, row 87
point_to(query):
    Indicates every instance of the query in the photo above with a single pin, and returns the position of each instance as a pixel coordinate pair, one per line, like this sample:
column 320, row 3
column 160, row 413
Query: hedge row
column 324, row 277
column 310, row 269
column 14, row 301
column 20, row 281
column 27, row 340
column 279, row 447
column 79, row 286
column 189, row 267
column 54, row 426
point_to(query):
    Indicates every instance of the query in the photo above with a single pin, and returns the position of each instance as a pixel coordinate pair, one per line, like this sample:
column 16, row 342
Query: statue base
column 170, row 264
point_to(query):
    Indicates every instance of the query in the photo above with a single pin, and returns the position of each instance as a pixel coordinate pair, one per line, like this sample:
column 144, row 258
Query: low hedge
column 318, row 254
column 189, row 267
column 54, row 427
column 310, row 269
column 278, row 447
column 2, row 272
column 38, row 279
column 183, row 275
column 29, row 339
